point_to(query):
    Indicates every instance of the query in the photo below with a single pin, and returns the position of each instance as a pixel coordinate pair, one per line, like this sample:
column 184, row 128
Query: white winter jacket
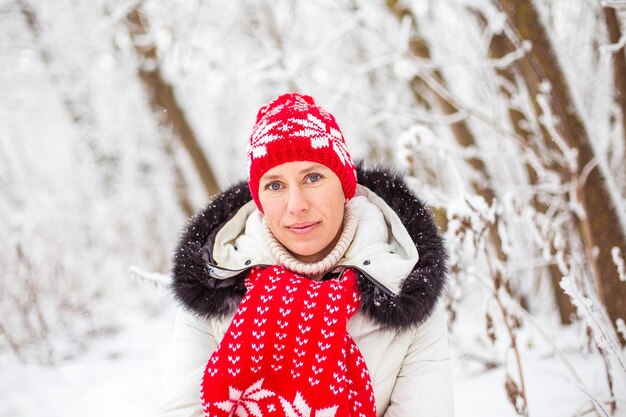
column 400, row 328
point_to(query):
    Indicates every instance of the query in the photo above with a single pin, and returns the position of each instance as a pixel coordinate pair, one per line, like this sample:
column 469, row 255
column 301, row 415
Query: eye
column 272, row 186
column 314, row 177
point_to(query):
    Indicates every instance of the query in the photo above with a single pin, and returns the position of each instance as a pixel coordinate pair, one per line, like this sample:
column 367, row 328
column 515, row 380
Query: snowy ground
column 120, row 376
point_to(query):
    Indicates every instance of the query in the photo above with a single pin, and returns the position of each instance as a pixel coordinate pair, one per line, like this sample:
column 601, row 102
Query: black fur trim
column 191, row 284
column 198, row 292
column 424, row 285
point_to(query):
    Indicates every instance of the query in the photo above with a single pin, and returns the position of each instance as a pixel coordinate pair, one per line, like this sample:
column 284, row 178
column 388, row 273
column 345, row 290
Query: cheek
column 273, row 214
column 332, row 204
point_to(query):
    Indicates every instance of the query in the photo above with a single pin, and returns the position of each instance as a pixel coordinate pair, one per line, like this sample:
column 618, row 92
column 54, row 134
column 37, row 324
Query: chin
column 304, row 251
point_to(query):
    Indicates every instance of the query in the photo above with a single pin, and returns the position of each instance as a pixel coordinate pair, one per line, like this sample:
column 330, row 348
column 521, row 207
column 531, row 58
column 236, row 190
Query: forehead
column 293, row 168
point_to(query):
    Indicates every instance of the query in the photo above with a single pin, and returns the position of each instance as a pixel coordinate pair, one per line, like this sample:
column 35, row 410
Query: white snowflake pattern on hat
column 300, row 104
column 261, row 137
column 313, row 128
column 277, row 109
column 318, row 132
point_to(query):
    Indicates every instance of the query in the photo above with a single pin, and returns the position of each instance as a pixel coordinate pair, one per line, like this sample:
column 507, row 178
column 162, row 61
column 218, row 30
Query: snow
column 548, row 395
column 618, row 260
column 557, row 371
column 121, row 375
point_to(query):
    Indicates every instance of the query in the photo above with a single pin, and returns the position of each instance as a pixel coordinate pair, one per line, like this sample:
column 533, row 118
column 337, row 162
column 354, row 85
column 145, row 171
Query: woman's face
column 303, row 203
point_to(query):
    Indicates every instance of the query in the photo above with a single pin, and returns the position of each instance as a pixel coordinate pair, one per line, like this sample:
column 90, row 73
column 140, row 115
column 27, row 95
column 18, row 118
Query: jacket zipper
column 371, row 279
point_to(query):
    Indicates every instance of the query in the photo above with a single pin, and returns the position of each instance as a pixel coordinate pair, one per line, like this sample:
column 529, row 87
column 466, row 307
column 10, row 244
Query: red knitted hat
column 293, row 128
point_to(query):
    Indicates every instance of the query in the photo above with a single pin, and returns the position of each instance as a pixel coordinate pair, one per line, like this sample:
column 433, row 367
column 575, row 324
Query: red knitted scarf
column 287, row 351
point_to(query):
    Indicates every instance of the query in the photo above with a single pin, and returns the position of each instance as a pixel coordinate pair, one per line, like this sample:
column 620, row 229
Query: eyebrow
column 306, row 170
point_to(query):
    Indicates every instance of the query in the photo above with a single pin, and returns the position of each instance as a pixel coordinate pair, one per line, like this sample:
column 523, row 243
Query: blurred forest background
column 120, row 118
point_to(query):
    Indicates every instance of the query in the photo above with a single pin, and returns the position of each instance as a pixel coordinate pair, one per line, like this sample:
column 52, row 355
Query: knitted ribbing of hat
column 287, row 351
column 286, row 259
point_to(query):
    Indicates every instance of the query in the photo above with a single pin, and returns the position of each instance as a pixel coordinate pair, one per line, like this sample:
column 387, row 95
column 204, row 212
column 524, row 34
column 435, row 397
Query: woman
column 307, row 293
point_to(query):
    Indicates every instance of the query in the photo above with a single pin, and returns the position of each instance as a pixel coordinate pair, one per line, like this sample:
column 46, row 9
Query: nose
column 298, row 201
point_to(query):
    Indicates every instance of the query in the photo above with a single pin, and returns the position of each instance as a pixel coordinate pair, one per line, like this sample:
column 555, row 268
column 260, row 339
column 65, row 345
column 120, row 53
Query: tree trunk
column 180, row 183
column 34, row 26
column 79, row 117
column 500, row 47
column 619, row 64
column 460, row 129
column 164, row 103
column 79, row 111
column 600, row 227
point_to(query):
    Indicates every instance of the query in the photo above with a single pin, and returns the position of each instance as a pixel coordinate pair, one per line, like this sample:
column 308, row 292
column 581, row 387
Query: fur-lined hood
column 207, row 289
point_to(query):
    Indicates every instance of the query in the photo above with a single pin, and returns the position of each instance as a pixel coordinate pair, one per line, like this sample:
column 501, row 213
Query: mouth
column 303, row 227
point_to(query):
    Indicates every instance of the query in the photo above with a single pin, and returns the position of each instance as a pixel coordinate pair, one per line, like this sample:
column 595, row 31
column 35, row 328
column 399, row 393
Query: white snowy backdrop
column 96, row 179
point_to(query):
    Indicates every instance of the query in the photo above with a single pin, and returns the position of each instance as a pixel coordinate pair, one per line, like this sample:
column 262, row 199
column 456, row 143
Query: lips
column 303, row 227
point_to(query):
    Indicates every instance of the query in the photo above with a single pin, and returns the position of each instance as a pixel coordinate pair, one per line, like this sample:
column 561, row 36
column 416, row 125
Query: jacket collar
column 222, row 242
column 382, row 248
